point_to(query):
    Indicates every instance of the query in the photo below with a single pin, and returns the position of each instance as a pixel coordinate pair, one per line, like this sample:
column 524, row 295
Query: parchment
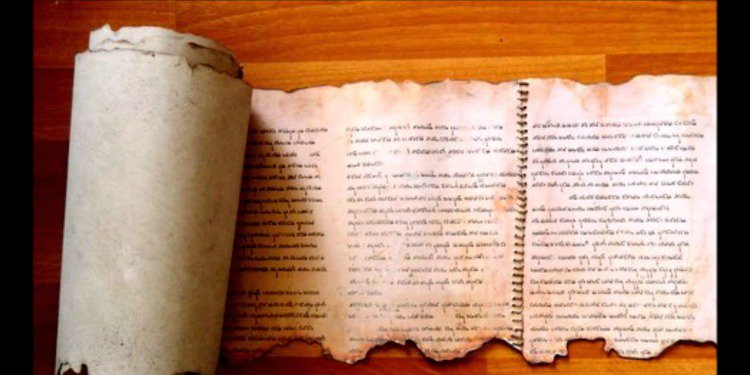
column 621, row 227
column 377, row 212
column 158, row 132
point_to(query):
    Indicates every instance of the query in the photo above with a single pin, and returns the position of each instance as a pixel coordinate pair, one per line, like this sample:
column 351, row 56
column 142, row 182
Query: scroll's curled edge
column 158, row 131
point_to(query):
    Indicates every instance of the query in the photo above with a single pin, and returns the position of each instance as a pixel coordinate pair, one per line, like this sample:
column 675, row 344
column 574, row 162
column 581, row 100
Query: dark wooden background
column 291, row 45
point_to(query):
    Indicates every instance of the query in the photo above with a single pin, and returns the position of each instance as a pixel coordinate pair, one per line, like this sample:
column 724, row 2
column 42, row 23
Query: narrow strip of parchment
column 376, row 212
column 158, row 132
column 621, row 223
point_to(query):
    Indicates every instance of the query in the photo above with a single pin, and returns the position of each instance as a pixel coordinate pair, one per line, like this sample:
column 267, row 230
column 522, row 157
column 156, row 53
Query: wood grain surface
column 290, row 45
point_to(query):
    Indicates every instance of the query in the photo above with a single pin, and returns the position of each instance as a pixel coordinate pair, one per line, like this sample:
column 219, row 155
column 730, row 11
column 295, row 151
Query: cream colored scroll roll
column 158, row 131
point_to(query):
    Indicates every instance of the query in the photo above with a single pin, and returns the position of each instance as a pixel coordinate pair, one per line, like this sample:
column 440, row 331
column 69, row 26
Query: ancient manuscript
column 536, row 211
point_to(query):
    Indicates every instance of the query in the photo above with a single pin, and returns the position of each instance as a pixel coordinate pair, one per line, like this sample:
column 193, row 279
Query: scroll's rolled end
column 151, row 39
column 158, row 129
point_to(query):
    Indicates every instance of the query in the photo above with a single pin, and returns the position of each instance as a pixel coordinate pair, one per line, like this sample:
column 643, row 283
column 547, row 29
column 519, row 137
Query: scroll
column 202, row 221
column 157, row 139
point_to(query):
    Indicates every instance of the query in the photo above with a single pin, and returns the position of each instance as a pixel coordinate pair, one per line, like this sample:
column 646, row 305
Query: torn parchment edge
column 610, row 347
column 238, row 358
column 436, row 82
column 157, row 40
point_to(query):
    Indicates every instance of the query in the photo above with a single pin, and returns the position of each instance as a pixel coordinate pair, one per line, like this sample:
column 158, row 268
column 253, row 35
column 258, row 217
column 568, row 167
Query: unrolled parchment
column 158, row 132
column 385, row 211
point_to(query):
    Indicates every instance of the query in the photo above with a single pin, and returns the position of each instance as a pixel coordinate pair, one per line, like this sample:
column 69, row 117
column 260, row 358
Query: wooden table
column 292, row 45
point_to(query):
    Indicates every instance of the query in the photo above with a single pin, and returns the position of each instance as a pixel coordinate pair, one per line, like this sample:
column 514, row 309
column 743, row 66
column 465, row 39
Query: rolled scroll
column 158, row 132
